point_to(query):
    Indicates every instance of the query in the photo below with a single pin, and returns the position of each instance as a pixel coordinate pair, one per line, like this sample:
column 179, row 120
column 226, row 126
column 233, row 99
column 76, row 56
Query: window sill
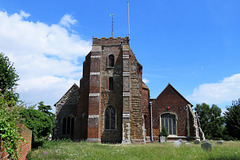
column 110, row 129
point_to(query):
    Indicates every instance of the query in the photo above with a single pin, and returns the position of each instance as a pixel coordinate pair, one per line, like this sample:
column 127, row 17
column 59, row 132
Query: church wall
column 136, row 116
column 111, row 97
column 66, row 107
column 191, row 124
column 93, row 133
column 82, row 106
column 177, row 105
column 145, row 109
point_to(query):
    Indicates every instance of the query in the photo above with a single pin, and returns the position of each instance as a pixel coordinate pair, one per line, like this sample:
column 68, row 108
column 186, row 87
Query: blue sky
column 194, row 45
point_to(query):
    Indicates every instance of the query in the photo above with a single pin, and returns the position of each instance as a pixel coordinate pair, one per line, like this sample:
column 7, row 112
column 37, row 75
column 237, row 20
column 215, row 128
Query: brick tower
column 110, row 103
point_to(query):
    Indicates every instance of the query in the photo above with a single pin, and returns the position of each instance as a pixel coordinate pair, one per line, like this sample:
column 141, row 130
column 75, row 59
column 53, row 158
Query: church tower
column 110, row 103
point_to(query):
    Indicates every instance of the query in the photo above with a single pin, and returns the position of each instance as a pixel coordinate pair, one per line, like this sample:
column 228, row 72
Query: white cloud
column 24, row 15
column 68, row 20
column 216, row 93
column 45, row 56
column 145, row 80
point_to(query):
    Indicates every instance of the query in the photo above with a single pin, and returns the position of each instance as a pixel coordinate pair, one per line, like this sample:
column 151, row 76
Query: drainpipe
column 151, row 125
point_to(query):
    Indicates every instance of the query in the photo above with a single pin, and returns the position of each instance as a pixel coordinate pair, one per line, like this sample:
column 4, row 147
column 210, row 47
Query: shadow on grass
column 36, row 144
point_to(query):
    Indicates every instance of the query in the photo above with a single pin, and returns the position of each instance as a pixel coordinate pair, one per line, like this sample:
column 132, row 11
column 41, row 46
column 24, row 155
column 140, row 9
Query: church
column 113, row 104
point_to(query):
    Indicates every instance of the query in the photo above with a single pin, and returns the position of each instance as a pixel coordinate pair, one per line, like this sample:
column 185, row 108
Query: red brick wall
column 24, row 147
column 80, row 127
column 112, row 41
column 3, row 155
column 145, row 108
column 177, row 105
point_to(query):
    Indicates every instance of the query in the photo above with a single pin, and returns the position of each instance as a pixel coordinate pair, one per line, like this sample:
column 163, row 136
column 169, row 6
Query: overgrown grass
column 84, row 150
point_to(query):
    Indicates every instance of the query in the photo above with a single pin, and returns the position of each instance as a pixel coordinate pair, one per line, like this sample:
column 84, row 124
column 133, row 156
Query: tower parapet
column 110, row 41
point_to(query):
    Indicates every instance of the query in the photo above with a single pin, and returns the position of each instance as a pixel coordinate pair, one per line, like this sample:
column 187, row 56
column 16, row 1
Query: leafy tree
column 40, row 121
column 211, row 120
column 9, row 111
column 8, row 77
column 46, row 109
column 232, row 119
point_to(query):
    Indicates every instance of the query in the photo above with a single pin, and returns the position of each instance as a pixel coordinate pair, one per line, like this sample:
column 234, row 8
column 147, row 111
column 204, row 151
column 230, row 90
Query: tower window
column 111, row 60
column 110, row 83
column 110, row 116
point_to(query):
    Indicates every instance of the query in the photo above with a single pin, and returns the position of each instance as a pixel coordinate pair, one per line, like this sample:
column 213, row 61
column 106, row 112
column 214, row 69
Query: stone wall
column 111, row 97
column 66, row 107
column 136, row 117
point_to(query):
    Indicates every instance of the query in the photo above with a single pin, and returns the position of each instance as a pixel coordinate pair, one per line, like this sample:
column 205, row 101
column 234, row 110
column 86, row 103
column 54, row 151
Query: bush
column 9, row 113
column 164, row 132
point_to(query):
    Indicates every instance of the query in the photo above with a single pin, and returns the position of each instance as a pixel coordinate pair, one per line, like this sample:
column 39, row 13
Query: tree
column 8, row 77
column 232, row 119
column 40, row 121
column 211, row 120
column 9, row 111
column 46, row 109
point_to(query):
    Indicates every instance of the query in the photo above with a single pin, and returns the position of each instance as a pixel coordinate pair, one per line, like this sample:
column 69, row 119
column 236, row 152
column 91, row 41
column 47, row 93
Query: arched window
column 68, row 125
column 72, row 126
column 64, row 125
column 110, row 116
column 111, row 60
column 169, row 121
column 110, row 83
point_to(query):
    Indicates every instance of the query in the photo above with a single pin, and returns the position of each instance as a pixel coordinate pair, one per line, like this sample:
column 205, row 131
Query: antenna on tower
column 112, row 23
column 128, row 21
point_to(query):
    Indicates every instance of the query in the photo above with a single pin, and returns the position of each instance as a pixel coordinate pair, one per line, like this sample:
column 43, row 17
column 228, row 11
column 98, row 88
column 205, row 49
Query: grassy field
column 83, row 150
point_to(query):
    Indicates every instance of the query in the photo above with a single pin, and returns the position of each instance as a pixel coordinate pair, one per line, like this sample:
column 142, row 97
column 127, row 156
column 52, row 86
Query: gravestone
column 177, row 143
column 206, row 146
column 50, row 137
column 220, row 142
column 180, row 140
column 204, row 141
column 196, row 141
column 162, row 139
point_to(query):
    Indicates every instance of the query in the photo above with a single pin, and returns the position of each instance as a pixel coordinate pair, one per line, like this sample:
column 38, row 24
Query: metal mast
column 128, row 21
column 112, row 23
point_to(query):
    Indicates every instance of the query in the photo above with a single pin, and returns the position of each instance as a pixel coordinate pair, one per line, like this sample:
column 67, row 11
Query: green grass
column 83, row 150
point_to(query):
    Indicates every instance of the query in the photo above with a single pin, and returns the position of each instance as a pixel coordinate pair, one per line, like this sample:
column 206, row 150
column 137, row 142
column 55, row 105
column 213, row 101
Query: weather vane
column 112, row 23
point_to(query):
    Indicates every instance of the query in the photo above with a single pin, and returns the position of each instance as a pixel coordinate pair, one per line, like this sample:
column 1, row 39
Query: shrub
column 9, row 113
column 164, row 132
